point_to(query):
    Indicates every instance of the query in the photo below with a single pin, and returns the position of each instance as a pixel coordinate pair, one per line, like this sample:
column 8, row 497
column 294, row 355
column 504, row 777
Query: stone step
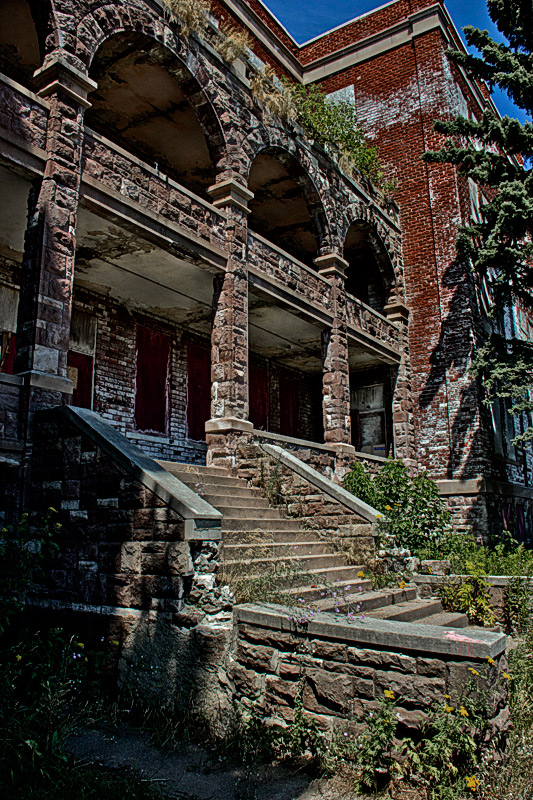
column 446, row 619
column 368, row 600
column 280, row 549
column 256, row 504
column 193, row 469
column 239, row 524
column 311, row 578
column 249, row 514
column 315, row 590
column 311, row 563
column 233, row 491
column 409, row 611
column 270, row 537
column 193, row 476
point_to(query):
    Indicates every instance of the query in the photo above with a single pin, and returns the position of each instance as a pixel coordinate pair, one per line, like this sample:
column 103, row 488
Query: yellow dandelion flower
column 19, row 658
column 506, row 676
column 447, row 697
column 114, row 641
column 80, row 644
column 401, row 585
column 473, row 671
column 430, row 571
column 463, row 712
column 388, row 508
column 472, row 782
column 448, row 709
column 491, row 661
column 360, row 574
column 388, row 694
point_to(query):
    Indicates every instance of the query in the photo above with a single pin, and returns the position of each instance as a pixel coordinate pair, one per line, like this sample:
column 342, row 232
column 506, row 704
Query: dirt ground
column 190, row 772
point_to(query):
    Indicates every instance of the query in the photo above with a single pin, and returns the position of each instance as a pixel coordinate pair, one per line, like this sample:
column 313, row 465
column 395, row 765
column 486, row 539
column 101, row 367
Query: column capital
column 396, row 311
column 230, row 193
column 331, row 265
column 59, row 75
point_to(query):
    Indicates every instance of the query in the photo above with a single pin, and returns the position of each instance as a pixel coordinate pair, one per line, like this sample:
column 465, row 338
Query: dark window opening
column 259, row 397
column 198, row 389
column 288, row 406
column 152, row 380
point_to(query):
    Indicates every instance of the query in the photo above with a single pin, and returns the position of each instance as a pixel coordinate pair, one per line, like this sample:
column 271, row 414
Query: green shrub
column 469, row 595
column 416, row 515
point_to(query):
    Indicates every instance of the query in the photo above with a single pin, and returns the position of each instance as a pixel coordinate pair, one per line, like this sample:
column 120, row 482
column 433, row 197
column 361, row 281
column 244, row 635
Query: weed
column 274, row 94
column 469, row 595
column 193, row 15
column 233, row 43
column 416, row 516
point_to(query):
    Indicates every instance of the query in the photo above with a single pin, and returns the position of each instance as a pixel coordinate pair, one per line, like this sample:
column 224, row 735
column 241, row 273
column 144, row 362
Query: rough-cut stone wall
column 122, row 172
column 120, row 545
column 341, row 678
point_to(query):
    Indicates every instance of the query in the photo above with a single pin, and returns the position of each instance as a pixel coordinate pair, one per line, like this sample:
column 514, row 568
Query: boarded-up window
column 80, row 359
column 259, row 397
column 8, row 326
column 198, row 389
column 288, row 405
column 151, row 386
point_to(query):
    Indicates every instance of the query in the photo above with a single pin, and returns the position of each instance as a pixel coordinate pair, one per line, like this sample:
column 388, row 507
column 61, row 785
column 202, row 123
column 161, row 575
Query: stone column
column 43, row 327
column 335, row 366
column 229, row 427
column 402, row 405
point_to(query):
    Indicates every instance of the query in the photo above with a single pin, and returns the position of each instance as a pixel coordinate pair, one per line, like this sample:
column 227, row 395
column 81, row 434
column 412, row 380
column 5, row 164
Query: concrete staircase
column 258, row 537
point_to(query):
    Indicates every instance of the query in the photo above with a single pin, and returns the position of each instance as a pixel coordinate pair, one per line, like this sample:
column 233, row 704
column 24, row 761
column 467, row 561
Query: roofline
column 433, row 17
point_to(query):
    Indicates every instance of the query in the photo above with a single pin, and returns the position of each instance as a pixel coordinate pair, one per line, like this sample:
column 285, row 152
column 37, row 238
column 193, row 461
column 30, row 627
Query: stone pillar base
column 225, row 438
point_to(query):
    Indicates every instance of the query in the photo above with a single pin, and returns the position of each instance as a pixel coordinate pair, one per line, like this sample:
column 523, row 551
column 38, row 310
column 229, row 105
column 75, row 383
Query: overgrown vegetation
column 414, row 512
column 331, row 123
column 470, row 595
column 192, row 15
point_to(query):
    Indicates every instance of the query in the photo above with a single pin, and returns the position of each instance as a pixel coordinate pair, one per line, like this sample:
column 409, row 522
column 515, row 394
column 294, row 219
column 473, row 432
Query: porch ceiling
column 138, row 274
column 361, row 359
column 275, row 332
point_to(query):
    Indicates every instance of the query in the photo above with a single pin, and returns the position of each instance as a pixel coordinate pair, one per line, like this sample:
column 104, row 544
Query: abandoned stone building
column 200, row 310
column 194, row 270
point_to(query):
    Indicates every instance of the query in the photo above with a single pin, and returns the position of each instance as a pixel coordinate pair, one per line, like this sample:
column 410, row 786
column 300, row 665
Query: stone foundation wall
column 120, row 545
column 342, row 669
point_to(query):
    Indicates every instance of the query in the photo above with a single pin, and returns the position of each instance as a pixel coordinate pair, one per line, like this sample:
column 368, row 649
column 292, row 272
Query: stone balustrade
column 366, row 319
column 137, row 180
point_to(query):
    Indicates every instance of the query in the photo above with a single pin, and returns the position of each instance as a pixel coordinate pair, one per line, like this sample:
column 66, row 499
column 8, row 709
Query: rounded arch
column 24, row 25
column 287, row 207
column 154, row 107
column 113, row 20
column 372, row 275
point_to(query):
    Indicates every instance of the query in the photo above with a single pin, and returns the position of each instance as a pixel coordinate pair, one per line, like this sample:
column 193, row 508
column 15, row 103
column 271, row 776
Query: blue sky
column 319, row 17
